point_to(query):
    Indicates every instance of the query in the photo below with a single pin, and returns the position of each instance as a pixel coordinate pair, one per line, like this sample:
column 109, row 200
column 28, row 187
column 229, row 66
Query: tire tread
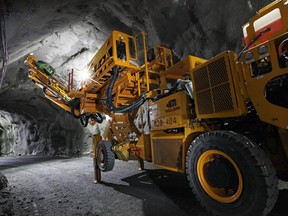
column 260, row 160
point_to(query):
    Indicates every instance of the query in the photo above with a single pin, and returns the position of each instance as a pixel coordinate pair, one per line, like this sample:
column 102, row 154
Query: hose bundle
column 109, row 101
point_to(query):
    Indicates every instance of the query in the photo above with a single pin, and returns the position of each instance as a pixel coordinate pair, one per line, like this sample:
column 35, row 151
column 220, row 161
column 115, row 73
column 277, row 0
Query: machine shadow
column 168, row 193
column 162, row 193
column 281, row 207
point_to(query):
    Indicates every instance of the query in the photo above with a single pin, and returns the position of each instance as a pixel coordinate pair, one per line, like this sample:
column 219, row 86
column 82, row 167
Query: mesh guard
column 215, row 94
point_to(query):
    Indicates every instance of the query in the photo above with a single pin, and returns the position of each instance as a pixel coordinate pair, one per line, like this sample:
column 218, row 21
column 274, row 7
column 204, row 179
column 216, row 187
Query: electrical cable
column 253, row 41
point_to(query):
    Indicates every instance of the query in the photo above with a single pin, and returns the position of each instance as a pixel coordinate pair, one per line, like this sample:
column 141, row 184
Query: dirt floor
column 62, row 186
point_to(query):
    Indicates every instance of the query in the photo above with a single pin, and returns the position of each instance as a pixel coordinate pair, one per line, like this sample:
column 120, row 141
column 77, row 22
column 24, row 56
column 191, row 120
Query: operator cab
column 272, row 17
column 269, row 24
column 266, row 60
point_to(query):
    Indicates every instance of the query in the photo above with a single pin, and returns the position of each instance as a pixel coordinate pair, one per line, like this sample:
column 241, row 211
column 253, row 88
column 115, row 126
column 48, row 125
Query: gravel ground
column 40, row 186
column 6, row 205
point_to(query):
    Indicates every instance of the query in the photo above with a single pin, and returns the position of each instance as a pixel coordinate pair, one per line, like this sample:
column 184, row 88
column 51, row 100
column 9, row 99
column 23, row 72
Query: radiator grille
column 218, row 72
column 201, row 79
column 222, row 98
column 204, row 99
column 213, row 87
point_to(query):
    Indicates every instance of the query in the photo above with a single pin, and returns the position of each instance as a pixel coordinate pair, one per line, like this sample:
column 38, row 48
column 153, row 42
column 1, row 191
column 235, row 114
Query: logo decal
column 172, row 106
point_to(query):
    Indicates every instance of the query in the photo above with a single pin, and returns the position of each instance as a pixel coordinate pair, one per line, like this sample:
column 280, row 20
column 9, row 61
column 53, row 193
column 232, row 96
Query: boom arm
column 121, row 74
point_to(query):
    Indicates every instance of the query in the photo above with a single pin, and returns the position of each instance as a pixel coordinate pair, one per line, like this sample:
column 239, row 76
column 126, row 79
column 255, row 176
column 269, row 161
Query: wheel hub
column 222, row 174
column 101, row 157
column 219, row 176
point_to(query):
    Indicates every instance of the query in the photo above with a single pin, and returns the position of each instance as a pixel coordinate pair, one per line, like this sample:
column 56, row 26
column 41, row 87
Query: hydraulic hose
column 253, row 41
column 51, row 96
column 74, row 107
column 109, row 101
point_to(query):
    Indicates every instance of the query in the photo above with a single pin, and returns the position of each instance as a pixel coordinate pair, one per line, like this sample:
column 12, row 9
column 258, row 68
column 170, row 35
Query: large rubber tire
column 104, row 156
column 224, row 159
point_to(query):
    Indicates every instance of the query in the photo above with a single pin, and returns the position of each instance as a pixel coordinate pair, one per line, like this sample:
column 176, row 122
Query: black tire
column 104, row 156
column 237, row 164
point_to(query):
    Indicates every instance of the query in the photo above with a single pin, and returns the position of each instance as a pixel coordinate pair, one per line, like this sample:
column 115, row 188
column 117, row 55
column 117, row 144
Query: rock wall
column 31, row 125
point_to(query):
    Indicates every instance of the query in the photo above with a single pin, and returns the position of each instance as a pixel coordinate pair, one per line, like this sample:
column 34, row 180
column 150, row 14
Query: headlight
column 262, row 50
column 84, row 75
column 248, row 55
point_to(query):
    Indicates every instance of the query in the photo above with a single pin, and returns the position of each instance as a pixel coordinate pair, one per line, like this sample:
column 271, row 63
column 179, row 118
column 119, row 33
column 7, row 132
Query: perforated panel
column 222, row 98
column 204, row 100
column 217, row 72
column 168, row 152
column 201, row 79
column 214, row 87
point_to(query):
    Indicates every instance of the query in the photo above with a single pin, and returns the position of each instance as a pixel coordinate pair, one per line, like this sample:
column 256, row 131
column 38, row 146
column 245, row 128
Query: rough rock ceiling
column 67, row 33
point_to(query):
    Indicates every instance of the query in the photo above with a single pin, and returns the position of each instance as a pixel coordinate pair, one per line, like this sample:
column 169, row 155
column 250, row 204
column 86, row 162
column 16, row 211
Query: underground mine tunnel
column 46, row 155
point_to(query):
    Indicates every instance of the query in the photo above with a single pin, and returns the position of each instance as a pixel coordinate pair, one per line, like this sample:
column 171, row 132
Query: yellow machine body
column 221, row 88
column 217, row 88
column 172, row 130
